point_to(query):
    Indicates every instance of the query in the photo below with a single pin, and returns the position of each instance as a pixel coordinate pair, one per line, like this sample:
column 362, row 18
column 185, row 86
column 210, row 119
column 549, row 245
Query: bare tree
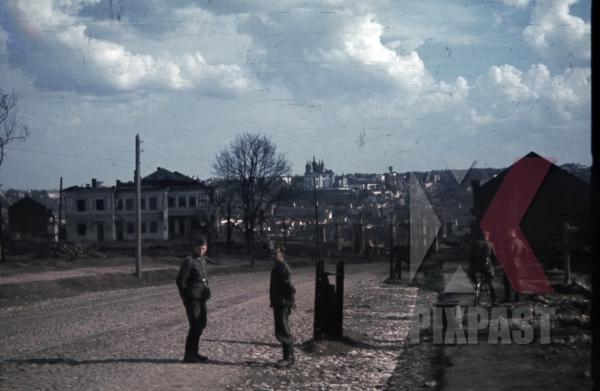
column 252, row 169
column 10, row 131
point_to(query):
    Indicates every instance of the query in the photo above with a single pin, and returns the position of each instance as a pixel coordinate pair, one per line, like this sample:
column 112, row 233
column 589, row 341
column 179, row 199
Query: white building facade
column 172, row 205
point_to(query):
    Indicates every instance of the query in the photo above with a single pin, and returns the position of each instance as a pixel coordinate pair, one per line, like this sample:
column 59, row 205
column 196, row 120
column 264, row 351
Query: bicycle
column 481, row 285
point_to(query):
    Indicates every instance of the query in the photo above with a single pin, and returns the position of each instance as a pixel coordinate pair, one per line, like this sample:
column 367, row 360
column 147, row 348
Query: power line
column 61, row 154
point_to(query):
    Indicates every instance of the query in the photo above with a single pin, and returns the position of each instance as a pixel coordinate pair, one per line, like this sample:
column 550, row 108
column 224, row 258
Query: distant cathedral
column 316, row 175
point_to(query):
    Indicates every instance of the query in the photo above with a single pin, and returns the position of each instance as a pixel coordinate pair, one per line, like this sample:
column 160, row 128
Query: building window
column 130, row 228
column 142, row 203
column 99, row 204
column 202, row 201
column 182, row 202
column 129, row 204
column 171, row 202
column 119, row 204
column 81, row 229
column 80, row 205
column 153, row 227
column 143, row 227
column 192, row 202
column 152, row 203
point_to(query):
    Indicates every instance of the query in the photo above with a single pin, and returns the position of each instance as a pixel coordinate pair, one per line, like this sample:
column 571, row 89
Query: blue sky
column 361, row 85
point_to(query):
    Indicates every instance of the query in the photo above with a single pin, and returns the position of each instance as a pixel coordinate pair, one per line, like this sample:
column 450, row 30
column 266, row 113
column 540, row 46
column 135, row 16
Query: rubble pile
column 570, row 311
column 22, row 247
column 68, row 250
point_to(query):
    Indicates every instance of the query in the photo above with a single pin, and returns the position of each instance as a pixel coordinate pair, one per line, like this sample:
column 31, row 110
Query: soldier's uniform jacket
column 517, row 250
column 281, row 292
column 192, row 280
column 480, row 257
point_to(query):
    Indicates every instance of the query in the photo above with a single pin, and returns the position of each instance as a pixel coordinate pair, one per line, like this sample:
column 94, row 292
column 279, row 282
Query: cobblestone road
column 133, row 339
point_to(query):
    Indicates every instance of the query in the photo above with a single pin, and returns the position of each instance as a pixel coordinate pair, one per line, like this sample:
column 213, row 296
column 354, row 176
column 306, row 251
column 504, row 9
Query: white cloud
column 557, row 35
column 52, row 30
column 504, row 83
column 566, row 94
column 360, row 42
column 311, row 75
column 505, row 93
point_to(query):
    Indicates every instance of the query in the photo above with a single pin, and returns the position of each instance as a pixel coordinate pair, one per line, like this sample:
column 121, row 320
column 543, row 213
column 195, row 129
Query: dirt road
column 79, row 272
column 133, row 339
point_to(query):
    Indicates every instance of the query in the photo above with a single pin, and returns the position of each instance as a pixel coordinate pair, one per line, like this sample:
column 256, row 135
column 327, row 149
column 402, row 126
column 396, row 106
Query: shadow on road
column 73, row 362
column 270, row 344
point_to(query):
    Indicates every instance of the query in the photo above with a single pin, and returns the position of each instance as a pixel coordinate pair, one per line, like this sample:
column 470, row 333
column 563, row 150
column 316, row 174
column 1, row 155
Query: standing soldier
column 192, row 282
column 515, row 250
column 282, row 295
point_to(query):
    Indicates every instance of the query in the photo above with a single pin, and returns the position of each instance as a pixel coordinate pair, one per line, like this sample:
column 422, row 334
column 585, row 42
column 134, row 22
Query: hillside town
column 353, row 209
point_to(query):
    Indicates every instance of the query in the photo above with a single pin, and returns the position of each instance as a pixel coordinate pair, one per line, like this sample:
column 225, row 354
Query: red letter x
column 502, row 222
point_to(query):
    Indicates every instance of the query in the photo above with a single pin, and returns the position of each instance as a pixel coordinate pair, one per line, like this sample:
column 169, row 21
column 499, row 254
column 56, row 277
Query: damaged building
column 172, row 206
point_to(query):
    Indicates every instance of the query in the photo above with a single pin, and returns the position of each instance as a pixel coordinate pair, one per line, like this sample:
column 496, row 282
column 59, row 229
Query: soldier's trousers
column 196, row 313
column 509, row 293
column 282, row 328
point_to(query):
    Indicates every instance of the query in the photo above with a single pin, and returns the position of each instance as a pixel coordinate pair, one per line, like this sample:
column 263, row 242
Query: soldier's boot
column 189, row 356
column 507, row 294
column 291, row 353
column 196, row 354
column 494, row 297
column 287, row 360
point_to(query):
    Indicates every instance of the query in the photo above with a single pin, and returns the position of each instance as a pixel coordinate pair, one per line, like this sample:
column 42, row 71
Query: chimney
column 94, row 183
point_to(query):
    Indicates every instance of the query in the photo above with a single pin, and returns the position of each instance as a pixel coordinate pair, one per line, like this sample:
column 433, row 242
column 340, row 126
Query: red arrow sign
column 502, row 219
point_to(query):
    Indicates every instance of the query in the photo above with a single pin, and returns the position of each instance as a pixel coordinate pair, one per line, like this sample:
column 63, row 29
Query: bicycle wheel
column 477, row 293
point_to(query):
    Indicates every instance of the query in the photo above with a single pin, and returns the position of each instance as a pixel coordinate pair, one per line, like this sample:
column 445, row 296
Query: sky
column 362, row 85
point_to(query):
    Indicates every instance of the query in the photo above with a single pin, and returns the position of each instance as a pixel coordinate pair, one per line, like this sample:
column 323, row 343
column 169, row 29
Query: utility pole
column 338, row 228
column 138, row 211
column 361, row 232
column 316, row 219
column 261, row 215
column 567, row 230
column 284, row 234
column 393, row 272
column 2, row 244
column 60, row 211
